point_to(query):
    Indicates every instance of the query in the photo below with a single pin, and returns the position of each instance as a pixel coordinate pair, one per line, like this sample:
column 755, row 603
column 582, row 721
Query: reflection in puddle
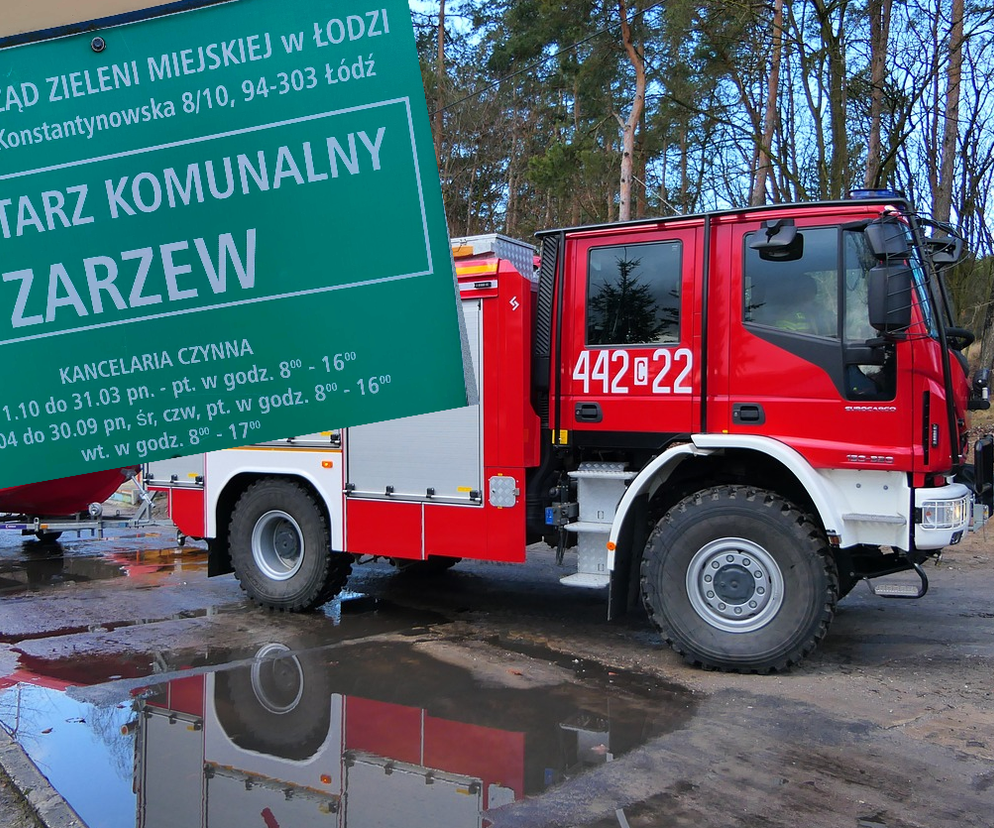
column 79, row 748
column 377, row 734
column 38, row 566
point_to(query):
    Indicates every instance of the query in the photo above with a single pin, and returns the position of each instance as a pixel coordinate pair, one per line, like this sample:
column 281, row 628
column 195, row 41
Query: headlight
column 945, row 514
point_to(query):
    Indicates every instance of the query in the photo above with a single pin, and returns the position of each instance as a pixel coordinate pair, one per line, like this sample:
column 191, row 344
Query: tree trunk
column 987, row 335
column 947, row 160
column 642, row 191
column 574, row 200
column 511, row 214
column 469, row 196
column 634, row 116
column 836, row 161
column 763, row 162
column 879, row 41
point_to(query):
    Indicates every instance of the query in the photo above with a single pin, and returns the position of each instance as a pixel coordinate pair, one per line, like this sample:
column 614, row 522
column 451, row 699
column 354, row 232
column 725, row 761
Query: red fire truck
column 735, row 416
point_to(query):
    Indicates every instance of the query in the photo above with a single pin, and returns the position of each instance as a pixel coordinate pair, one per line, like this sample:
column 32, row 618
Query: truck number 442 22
column 617, row 372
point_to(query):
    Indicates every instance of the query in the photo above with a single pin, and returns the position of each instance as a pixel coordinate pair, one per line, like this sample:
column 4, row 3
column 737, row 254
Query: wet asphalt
column 148, row 695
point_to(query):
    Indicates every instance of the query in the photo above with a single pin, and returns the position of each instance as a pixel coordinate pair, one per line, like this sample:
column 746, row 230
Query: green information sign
column 218, row 226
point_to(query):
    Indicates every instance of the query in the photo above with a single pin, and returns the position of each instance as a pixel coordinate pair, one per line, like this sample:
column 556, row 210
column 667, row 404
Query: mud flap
column 623, row 590
column 983, row 471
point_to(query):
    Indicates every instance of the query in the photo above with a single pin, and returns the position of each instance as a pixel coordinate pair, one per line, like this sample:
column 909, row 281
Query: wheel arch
column 714, row 458
column 219, row 551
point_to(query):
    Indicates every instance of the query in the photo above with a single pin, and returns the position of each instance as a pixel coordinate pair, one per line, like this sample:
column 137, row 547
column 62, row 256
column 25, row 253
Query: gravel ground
column 890, row 722
column 14, row 811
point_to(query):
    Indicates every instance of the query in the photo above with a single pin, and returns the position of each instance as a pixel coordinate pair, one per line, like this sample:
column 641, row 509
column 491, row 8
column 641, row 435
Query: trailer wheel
column 280, row 548
column 738, row 579
column 47, row 537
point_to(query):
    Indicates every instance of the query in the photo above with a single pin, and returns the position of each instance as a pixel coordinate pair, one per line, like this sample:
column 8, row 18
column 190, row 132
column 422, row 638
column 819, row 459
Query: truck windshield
column 943, row 297
column 924, row 293
column 923, row 287
column 942, row 241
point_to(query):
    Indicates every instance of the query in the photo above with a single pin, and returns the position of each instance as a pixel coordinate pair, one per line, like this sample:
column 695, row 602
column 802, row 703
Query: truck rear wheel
column 281, row 549
column 738, row 579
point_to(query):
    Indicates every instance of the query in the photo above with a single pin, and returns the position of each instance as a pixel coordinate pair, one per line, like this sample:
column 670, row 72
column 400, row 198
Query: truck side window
column 858, row 261
column 799, row 295
column 633, row 294
column 863, row 381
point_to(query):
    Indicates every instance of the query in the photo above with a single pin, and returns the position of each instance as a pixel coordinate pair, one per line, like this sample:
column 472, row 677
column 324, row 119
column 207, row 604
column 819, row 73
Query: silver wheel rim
column 277, row 679
column 277, row 545
column 735, row 585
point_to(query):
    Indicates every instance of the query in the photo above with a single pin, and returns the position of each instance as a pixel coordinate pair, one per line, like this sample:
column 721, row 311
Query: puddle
column 49, row 567
column 35, row 566
column 78, row 747
column 378, row 733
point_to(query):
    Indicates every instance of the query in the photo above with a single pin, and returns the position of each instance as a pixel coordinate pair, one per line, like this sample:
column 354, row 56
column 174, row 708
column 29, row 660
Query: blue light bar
column 879, row 192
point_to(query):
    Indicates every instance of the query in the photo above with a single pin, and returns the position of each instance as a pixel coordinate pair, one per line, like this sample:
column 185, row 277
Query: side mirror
column 945, row 252
column 945, row 246
column 778, row 241
column 889, row 297
column 888, row 238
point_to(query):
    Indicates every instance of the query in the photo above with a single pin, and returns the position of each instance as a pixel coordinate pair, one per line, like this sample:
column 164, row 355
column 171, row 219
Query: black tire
column 47, row 537
column 738, row 579
column 432, row 565
column 281, row 550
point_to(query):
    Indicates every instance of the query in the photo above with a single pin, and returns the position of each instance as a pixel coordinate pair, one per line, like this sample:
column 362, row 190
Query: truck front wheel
column 738, row 579
column 281, row 548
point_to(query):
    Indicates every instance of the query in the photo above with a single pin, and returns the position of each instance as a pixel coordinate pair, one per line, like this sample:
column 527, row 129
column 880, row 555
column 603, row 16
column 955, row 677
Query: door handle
column 588, row 412
column 748, row 414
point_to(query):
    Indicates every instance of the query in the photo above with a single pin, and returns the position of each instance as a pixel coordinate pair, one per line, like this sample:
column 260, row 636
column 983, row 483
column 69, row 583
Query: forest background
column 550, row 113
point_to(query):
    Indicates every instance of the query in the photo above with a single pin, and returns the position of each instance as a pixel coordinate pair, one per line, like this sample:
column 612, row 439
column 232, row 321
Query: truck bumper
column 942, row 515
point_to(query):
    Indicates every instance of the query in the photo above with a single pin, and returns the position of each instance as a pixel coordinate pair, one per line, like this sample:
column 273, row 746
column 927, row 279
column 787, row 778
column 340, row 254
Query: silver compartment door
column 442, row 451
column 244, row 801
column 316, row 439
column 401, row 798
column 171, row 771
column 185, row 472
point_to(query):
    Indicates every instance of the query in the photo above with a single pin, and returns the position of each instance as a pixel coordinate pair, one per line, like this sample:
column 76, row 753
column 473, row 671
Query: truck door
column 799, row 358
column 629, row 360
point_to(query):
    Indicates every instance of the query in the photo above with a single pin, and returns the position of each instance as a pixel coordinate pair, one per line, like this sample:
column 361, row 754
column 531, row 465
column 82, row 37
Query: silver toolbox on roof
column 519, row 253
